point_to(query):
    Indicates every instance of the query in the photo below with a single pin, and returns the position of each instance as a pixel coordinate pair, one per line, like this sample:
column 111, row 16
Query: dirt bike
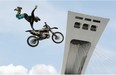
column 44, row 33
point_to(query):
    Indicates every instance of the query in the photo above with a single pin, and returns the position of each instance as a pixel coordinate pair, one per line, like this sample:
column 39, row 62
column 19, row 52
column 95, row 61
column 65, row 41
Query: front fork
column 53, row 33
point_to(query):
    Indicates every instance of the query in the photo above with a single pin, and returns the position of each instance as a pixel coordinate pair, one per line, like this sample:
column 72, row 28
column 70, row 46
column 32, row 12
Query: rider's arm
column 32, row 13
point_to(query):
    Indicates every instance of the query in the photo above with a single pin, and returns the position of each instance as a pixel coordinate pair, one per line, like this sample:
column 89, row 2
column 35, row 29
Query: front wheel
column 57, row 37
column 32, row 41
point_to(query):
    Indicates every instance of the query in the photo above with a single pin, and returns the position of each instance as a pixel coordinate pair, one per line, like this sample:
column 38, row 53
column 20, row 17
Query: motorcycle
column 44, row 33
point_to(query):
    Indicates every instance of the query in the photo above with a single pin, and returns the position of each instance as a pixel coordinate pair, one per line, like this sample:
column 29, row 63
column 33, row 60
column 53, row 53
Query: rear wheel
column 32, row 41
column 57, row 37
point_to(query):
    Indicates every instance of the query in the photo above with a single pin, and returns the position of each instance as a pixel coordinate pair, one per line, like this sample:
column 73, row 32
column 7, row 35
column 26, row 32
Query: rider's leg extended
column 46, row 35
column 32, row 27
column 34, row 18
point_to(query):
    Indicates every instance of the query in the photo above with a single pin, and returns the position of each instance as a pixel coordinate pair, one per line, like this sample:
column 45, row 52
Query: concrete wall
column 83, row 33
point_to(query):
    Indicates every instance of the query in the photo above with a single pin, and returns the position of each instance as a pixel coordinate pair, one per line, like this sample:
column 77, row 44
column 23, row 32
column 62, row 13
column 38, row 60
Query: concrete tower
column 83, row 33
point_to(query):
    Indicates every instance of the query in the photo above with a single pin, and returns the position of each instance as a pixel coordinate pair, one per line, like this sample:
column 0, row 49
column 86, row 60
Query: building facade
column 82, row 34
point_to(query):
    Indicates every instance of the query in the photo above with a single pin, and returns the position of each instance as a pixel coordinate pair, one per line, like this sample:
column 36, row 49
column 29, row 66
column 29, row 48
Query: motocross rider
column 30, row 18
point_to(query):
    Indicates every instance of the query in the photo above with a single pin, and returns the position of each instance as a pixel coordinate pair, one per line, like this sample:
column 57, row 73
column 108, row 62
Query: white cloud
column 43, row 69
column 37, row 69
column 11, row 69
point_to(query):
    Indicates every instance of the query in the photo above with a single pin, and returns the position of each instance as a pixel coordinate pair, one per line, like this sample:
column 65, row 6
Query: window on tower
column 87, row 19
column 93, row 28
column 85, row 26
column 78, row 17
column 97, row 21
column 77, row 24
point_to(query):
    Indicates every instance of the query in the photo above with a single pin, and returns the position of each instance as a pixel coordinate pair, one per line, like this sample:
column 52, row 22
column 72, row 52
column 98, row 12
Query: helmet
column 18, row 9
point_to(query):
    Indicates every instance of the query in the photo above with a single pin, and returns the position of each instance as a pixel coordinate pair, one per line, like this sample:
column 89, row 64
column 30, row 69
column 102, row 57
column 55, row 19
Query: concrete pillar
column 82, row 34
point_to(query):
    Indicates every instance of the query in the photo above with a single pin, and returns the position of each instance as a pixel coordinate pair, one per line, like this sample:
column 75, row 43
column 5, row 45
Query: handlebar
column 45, row 24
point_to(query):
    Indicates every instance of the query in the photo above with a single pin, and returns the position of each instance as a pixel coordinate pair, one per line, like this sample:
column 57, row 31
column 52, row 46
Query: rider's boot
column 47, row 35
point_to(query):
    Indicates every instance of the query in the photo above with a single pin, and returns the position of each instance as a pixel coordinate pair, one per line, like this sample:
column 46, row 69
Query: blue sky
column 14, row 49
